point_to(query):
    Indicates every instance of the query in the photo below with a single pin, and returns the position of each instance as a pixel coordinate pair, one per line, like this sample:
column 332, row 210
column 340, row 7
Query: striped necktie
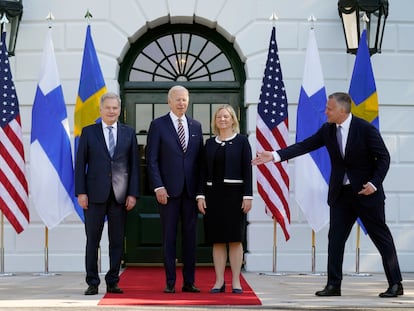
column 181, row 134
column 111, row 141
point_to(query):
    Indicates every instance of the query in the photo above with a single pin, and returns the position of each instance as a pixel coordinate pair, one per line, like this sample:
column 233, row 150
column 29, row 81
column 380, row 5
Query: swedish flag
column 362, row 89
column 91, row 88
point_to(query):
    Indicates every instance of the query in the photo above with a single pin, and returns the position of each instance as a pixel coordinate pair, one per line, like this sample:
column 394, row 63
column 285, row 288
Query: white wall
column 246, row 23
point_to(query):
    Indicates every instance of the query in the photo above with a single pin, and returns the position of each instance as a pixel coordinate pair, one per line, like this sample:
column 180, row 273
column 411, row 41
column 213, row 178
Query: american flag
column 272, row 134
column 13, row 184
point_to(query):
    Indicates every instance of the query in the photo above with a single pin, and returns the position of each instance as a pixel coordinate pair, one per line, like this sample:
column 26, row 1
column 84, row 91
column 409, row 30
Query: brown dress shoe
column 393, row 291
column 329, row 290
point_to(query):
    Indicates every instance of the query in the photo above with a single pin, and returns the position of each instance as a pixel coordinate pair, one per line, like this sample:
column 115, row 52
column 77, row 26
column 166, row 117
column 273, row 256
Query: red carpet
column 145, row 285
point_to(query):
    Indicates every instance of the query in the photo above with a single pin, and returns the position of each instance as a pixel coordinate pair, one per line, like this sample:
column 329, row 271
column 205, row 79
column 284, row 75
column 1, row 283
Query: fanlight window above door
column 181, row 57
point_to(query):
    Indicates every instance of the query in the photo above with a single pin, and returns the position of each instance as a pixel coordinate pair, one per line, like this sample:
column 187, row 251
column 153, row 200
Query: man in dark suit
column 173, row 156
column 360, row 161
column 106, row 184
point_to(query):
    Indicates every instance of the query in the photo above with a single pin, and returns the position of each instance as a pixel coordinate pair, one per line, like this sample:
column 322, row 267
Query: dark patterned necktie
column 181, row 134
column 339, row 138
column 111, row 141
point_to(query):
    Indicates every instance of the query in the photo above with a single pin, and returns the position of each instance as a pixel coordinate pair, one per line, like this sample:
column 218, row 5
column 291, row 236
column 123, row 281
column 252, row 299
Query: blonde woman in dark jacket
column 226, row 195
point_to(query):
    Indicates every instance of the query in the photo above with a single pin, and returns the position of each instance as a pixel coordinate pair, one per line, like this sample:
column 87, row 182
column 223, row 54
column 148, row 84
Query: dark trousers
column 183, row 208
column 342, row 218
column 94, row 224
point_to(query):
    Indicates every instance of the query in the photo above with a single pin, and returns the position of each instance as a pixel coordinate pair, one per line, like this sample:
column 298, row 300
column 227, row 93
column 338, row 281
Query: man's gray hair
column 110, row 95
column 176, row 88
column 343, row 99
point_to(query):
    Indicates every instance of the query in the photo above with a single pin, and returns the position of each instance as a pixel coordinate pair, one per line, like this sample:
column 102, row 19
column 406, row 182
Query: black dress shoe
column 216, row 290
column 91, row 290
column 393, row 291
column 114, row 289
column 329, row 290
column 169, row 289
column 190, row 288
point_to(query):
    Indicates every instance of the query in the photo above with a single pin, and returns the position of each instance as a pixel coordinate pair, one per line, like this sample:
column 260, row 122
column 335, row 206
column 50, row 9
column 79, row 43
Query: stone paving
column 277, row 291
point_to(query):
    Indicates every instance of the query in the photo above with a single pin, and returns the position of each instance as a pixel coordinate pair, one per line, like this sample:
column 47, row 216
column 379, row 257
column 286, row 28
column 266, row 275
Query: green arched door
column 207, row 65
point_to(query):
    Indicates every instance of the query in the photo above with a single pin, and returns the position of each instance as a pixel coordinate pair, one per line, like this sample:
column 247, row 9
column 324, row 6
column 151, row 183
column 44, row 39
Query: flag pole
column 99, row 260
column 46, row 251
column 18, row 225
column 312, row 20
column 274, row 269
column 357, row 254
column 313, row 252
column 2, row 273
column 2, row 244
column 88, row 16
column 273, row 18
column 49, row 19
column 3, row 20
column 274, row 258
column 357, row 251
column 46, row 256
column 364, row 20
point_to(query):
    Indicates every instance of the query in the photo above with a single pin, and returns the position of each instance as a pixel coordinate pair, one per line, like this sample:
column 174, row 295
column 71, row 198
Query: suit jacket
column 168, row 165
column 366, row 158
column 238, row 167
column 96, row 172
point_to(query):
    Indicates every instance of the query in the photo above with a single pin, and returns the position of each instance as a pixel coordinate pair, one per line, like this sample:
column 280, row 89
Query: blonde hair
column 235, row 126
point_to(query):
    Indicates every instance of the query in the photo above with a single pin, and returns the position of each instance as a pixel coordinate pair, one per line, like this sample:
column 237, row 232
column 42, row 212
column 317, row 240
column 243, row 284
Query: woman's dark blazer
column 238, row 156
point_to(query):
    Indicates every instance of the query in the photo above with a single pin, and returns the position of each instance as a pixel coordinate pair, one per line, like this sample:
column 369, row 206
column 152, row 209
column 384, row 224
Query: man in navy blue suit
column 106, row 184
column 360, row 161
column 173, row 156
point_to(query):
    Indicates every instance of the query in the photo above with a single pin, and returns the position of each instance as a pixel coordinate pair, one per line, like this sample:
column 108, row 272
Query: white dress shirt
column 106, row 132
column 345, row 131
column 174, row 118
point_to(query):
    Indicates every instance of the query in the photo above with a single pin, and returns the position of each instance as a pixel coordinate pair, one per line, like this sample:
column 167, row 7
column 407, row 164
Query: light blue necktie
column 111, row 140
